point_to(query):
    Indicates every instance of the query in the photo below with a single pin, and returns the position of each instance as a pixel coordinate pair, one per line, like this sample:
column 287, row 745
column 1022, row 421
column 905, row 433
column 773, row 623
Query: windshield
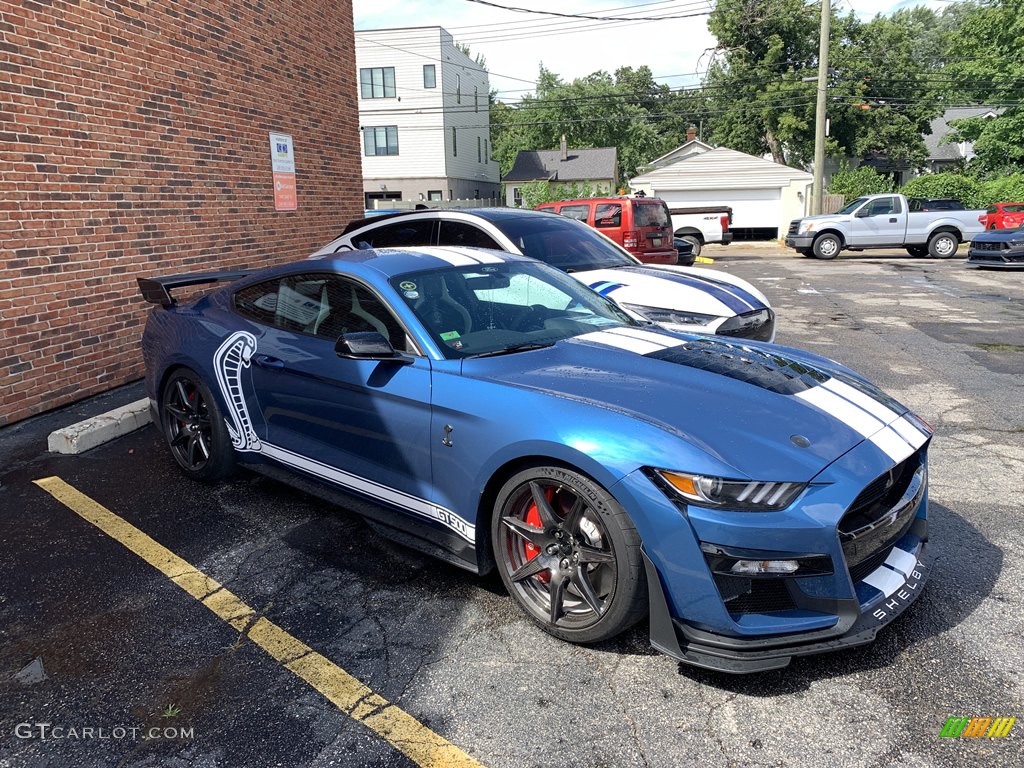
column 496, row 308
column 564, row 243
column 852, row 206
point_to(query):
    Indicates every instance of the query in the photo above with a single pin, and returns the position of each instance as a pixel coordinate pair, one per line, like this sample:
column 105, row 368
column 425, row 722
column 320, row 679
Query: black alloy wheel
column 194, row 428
column 569, row 555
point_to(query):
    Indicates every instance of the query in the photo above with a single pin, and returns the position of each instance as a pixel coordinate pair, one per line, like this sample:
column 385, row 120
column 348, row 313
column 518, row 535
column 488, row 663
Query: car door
column 359, row 424
column 881, row 221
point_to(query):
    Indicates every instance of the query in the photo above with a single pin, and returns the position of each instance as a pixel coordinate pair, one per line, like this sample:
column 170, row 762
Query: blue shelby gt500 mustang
column 757, row 502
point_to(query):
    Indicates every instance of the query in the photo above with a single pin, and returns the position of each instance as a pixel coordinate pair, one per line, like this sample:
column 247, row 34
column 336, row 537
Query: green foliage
column 943, row 185
column 864, row 180
column 536, row 193
column 989, row 67
column 1008, row 189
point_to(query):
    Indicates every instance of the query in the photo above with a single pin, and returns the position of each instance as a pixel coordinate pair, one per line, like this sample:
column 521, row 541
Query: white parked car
column 681, row 298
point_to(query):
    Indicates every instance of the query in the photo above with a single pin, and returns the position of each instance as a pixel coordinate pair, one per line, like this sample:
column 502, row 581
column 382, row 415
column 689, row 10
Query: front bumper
column 1003, row 259
column 805, row 242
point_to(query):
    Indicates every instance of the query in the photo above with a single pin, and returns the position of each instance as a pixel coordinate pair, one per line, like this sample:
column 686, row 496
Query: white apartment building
column 424, row 117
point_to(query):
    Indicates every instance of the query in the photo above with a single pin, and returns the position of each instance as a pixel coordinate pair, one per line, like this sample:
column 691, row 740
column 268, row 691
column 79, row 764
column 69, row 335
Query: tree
column 989, row 70
column 864, row 180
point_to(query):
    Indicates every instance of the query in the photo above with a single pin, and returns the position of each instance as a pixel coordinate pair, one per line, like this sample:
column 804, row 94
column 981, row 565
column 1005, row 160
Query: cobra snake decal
column 229, row 360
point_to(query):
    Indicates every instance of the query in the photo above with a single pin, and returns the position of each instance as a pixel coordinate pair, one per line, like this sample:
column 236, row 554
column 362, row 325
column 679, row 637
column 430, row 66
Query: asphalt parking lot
column 425, row 664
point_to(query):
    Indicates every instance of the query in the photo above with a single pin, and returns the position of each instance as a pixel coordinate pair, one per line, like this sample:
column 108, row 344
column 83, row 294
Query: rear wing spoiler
column 157, row 290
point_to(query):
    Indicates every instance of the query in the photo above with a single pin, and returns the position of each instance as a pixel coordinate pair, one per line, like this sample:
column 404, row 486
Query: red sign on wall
column 285, row 197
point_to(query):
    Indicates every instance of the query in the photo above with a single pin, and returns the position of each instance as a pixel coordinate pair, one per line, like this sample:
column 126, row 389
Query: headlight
column 744, row 495
column 671, row 316
column 806, row 226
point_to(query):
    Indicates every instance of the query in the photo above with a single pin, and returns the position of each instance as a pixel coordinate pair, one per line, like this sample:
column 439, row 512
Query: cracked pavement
column 120, row 643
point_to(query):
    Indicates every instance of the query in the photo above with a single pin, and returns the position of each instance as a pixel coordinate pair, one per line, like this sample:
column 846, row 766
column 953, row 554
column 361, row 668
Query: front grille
column 872, row 507
column 863, row 568
column 754, row 595
column 982, row 245
column 794, row 226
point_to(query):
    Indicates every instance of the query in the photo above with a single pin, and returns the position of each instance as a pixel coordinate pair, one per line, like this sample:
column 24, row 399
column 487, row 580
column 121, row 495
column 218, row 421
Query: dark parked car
column 942, row 204
column 1002, row 248
column 685, row 250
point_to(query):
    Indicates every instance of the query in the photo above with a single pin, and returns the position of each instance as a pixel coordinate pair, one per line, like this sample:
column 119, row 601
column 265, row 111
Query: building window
column 476, row 99
column 479, row 150
column 476, row 194
column 485, row 150
column 517, row 197
column 455, row 144
column 450, row 195
column 377, row 83
column 429, row 76
column 380, row 140
column 435, row 194
column 458, row 89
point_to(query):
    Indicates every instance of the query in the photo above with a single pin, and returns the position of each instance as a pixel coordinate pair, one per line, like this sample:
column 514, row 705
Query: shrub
column 946, row 185
column 1008, row 189
column 864, row 180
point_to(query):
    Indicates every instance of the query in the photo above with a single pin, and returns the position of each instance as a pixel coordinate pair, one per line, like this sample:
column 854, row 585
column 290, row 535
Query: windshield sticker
column 412, row 294
column 407, row 285
column 450, row 335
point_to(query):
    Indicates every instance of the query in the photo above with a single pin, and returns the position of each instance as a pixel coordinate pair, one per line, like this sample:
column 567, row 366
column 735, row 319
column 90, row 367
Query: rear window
column 650, row 214
column 992, row 209
column 1019, row 208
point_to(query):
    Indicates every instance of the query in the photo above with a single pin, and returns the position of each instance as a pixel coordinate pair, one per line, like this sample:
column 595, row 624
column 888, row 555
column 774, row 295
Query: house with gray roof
column 596, row 167
column 944, row 155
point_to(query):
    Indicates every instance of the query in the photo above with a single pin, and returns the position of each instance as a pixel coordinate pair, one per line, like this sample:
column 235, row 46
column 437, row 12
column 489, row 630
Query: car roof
column 399, row 261
column 488, row 214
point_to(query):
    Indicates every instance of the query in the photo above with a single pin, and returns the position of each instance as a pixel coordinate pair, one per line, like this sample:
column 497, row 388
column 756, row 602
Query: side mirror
column 864, row 212
column 367, row 345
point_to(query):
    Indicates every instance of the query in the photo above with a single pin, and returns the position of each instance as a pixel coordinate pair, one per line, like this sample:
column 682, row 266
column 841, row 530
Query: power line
column 581, row 15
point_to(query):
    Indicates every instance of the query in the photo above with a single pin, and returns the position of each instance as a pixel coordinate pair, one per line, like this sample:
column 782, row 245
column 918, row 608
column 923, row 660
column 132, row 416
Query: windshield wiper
column 525, row 346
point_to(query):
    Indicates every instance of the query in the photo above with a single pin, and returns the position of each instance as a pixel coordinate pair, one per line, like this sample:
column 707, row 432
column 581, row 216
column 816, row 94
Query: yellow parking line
column 400, row 729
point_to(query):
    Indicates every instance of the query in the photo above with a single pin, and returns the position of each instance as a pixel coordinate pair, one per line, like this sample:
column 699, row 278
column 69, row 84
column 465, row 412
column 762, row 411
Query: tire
column 827, row 247
column 943, row 245
column 917, row 251
column 568, row 555
column 194, row 428
column 694, row 241
column 805, row 252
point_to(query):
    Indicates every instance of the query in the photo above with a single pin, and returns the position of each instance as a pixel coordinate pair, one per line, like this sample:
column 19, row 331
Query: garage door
column 751, row 208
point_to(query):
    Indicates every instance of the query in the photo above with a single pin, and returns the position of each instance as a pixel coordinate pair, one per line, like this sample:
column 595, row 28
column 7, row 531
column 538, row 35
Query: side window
column 463, row 234
column 546, row 208
column 578, row 212
column 883, row 206
column 397, row 235
column 608, row 215
column 321, row 305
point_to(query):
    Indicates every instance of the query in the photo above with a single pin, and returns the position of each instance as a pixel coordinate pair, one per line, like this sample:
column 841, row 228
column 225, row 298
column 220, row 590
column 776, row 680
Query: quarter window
column 396, row 235
column 377, row 83
column 608, row 215
column 380, row 140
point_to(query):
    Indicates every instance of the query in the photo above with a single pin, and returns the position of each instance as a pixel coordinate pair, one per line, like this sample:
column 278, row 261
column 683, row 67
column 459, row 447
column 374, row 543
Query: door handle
column 892, row 220
column 268, row 362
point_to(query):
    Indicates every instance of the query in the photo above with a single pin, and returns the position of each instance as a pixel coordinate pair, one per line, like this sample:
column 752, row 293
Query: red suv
column 1003, row 216
column 640, row 225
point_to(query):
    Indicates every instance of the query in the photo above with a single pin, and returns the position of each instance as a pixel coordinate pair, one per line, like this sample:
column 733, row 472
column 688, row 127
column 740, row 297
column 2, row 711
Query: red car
column 1003, row 216
column 640, row 225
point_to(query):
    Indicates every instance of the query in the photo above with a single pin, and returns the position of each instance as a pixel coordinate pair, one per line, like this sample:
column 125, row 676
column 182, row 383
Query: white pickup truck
column 883, row 221
column 701, row 225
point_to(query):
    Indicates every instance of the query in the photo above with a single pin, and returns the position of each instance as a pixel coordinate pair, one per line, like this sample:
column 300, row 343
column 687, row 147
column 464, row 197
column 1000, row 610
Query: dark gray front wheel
column 194, row 428
column 568, row 554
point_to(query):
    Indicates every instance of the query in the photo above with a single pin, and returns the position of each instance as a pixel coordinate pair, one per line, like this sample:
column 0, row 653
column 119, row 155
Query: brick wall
column 134, row 141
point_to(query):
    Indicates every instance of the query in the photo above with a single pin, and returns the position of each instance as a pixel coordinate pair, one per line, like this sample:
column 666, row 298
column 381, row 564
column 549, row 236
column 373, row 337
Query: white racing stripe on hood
column 664, row 342
column 909, row 432
column 651, row 291
column 894, row 445
column 628, row 343
column 858, row 398
column 845, row 411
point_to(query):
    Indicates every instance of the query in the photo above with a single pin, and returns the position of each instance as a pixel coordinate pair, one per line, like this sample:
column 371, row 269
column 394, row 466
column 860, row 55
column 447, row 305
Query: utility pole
column 819, row 117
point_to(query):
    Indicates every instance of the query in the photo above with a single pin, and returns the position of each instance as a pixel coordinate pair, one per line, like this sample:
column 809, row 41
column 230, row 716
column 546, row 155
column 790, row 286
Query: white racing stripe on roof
column 609, row 339
column 909, row 432
column 858, row 398
column 855, row 418
column 652, row 338
column 457, row 257
column 895, row 446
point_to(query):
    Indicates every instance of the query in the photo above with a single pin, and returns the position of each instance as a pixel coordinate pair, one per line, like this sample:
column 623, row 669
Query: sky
column 516, row 44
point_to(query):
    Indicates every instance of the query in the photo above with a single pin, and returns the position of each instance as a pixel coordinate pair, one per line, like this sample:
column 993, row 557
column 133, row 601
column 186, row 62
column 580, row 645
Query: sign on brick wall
column 282, row 160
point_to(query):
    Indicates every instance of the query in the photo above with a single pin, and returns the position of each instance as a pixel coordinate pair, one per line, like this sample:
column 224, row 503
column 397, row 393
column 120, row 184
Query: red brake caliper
column 533, row 518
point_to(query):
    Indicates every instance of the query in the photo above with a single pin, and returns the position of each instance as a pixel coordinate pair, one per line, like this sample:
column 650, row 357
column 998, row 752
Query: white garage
column 764, row 196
